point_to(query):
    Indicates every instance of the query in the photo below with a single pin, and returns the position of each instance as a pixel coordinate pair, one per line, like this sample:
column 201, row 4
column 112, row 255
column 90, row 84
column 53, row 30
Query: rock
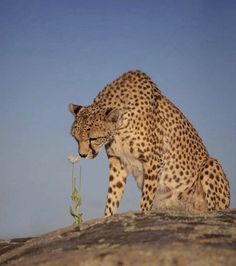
column 162, row 238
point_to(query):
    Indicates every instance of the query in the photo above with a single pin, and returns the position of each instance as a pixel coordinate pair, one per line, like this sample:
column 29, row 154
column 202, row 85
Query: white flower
column 73, row 159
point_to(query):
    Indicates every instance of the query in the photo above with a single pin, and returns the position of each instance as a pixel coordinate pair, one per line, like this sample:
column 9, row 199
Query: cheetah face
column 94, row 127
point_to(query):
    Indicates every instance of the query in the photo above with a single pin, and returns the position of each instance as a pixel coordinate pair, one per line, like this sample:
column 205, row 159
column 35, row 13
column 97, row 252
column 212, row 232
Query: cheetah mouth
column 92, row 156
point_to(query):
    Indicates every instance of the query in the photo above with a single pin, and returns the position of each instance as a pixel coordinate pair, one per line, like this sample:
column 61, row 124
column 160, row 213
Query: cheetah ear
column 74, row 109
column 116, row 116
column 113, row 115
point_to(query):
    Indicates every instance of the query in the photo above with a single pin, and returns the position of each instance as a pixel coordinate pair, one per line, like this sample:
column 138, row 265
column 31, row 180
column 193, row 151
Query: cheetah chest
column 133, row 166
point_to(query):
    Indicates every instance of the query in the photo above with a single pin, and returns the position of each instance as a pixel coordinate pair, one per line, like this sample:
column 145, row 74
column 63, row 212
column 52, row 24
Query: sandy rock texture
column 162, row 238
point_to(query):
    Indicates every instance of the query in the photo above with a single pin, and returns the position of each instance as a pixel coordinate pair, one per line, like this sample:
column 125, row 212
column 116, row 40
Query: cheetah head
column 94, row 127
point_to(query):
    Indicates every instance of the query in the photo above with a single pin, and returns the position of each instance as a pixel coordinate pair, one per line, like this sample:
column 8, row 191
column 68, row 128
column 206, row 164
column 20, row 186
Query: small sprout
column 75, row 195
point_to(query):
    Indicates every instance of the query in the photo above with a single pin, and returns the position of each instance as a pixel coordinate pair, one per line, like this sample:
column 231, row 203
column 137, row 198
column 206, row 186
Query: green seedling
column 75, row 195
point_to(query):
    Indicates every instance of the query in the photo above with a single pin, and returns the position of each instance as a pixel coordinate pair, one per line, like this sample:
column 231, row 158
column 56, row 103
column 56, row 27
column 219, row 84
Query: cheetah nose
column 83, row 155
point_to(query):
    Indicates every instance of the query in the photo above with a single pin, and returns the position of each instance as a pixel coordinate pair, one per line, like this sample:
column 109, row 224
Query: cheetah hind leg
column 215, row 185
column 193, row 198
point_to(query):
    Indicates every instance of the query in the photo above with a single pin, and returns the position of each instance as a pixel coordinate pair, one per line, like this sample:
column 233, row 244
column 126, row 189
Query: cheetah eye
column 92, row 139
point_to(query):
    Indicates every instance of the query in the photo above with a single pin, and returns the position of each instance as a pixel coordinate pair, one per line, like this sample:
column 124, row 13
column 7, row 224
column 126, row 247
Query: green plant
column 75, row 195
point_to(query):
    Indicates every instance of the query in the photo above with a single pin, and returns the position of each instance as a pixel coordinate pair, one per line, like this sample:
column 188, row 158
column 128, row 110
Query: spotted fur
column 147, row 136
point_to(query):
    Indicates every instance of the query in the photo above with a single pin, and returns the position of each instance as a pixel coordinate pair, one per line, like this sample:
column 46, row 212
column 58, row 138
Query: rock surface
column 168, row 238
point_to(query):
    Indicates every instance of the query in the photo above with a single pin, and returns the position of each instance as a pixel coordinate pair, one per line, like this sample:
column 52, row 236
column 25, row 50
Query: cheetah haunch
column 147, row 136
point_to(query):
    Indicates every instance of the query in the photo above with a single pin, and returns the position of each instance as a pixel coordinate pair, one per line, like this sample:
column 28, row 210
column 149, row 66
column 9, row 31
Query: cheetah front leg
column 117, row 181
column 149, row 188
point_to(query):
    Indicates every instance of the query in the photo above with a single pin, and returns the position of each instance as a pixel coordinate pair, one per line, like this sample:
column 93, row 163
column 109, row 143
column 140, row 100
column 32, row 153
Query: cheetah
column 145, row 135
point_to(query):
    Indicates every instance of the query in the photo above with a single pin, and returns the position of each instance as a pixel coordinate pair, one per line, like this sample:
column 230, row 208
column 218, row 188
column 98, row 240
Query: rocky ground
column 132, row 239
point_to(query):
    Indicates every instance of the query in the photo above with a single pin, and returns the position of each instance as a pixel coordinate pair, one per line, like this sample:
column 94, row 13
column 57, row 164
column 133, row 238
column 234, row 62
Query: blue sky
column 56, row 52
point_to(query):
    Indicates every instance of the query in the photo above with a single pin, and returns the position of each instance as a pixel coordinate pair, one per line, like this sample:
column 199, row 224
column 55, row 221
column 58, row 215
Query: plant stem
column 73, row 178
column 80, row 177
